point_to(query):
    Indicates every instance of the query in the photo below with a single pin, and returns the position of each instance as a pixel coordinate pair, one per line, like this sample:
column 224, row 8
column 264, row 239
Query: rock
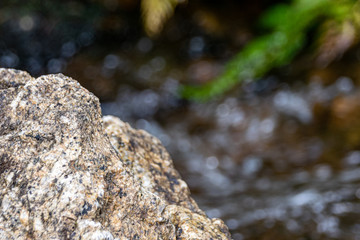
column 66, row 173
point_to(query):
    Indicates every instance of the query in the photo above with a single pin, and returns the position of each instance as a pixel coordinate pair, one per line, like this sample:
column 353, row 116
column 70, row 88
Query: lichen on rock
column 68, row 173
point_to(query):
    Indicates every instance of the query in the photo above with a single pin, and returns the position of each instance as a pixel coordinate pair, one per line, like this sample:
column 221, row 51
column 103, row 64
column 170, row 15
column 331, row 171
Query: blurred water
column 261, row 164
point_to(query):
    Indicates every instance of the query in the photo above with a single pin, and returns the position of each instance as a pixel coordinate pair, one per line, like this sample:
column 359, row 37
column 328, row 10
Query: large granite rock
column 66, row 173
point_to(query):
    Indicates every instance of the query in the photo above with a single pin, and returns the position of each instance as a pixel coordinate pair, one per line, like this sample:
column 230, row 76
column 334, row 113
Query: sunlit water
column 259, row 161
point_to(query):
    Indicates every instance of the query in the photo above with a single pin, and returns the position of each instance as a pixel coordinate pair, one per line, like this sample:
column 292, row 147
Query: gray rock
column 66, row 173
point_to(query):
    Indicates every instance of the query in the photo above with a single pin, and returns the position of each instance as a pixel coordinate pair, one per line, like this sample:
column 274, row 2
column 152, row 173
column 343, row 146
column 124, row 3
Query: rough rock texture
column 66, row 173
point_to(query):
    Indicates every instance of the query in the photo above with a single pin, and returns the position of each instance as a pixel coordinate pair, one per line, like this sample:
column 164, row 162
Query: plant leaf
column 289, row 25
column 155, row 13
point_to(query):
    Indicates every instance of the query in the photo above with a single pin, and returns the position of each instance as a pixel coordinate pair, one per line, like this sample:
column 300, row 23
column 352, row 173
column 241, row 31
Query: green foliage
column 287, row 25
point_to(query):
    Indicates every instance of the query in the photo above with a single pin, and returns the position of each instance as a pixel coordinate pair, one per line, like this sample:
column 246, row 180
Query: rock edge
column 67, row 173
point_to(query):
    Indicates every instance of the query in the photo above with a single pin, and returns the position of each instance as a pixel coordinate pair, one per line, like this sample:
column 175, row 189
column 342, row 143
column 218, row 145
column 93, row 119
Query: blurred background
column 258, row 102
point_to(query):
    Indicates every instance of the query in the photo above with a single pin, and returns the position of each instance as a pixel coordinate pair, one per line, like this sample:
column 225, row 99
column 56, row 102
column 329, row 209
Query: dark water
column 275, row 159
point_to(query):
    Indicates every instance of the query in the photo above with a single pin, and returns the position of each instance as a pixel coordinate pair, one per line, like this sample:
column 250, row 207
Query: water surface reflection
column 270, row 164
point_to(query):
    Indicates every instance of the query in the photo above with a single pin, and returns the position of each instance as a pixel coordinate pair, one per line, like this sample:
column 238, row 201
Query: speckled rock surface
column 66, row 173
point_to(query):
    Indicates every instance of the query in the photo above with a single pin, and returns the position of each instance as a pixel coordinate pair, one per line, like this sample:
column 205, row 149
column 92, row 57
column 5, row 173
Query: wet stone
column 64, row 174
